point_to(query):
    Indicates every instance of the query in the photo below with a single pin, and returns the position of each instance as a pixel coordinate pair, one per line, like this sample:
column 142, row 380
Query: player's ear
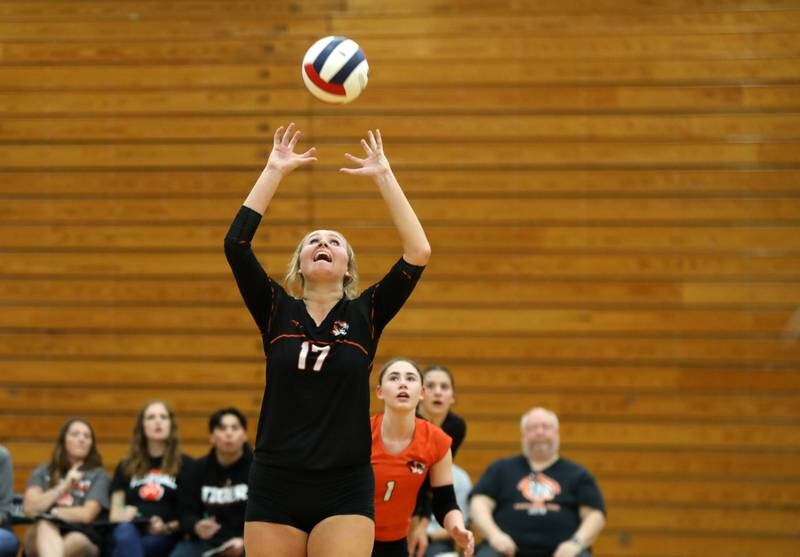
column 379, row 391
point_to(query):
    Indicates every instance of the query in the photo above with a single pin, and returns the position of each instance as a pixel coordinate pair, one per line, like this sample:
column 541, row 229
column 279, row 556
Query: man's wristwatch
column 578, row 542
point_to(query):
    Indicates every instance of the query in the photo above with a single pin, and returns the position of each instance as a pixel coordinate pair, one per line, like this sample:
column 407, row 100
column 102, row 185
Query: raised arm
column 416, row 249
column 282, row 160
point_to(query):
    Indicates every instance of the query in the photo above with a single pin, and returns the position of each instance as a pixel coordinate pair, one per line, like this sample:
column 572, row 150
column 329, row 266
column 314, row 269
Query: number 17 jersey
column 315, row 409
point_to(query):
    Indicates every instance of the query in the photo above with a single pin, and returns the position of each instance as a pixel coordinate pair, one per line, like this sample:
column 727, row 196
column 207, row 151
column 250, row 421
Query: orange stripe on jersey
column 399, row 477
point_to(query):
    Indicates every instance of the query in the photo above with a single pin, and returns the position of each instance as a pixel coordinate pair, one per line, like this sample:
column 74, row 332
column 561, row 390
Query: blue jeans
column 128, row 541
column 192, row 548
column 9, row 544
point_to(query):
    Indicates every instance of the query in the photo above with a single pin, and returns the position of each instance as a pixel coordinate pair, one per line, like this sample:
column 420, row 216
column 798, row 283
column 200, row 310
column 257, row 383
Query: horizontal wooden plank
column 620, row 464
column 451, row 182
column 518, row 266
column 54, row 10
column 401, row 73
column 750, row 128
column 160, row 25
column 219, row 345
column 597, row 99
column 382, row 50
column 432, row 291
column 460, row 155
column 443, row 237
column 453, row 321
column 730, row 408
column 471, row 377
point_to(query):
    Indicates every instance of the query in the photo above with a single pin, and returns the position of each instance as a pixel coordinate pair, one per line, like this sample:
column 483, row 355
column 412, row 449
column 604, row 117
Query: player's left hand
column 375, row 163
column 464, row 539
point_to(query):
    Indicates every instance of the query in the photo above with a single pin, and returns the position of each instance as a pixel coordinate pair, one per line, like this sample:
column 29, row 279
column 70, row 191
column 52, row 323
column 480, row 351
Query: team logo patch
column 416, row 466
column 340, row 328
column 151, row 492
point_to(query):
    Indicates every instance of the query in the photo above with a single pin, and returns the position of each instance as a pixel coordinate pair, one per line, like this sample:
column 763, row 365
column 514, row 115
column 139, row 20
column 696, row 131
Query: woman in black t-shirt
column 144, row 490
column 311, row 486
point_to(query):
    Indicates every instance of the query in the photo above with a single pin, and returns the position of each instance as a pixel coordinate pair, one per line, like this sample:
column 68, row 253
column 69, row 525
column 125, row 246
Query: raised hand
column 283, row 159
column 375, row 163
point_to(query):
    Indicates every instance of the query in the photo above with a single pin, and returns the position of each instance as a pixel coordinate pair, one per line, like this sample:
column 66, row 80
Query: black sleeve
column 456, row 428
column 389, row 294
column 589, row 494
column 257, row 289
column 119, row 482
column 190, row 501
column 424, row 506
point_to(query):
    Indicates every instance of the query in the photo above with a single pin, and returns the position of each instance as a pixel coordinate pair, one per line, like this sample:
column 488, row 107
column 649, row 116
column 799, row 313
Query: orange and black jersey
column 399, row 477
column 315, row 409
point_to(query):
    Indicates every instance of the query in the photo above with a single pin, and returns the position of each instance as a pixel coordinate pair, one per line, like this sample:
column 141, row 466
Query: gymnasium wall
column 611, row 189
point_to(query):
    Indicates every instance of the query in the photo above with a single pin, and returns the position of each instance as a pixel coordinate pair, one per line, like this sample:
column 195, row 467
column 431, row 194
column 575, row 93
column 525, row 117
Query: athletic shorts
column 397, row 548
column 304, row 498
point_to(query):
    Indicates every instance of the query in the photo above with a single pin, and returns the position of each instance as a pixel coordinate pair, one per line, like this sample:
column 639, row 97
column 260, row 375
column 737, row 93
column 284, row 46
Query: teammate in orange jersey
column 404, row 450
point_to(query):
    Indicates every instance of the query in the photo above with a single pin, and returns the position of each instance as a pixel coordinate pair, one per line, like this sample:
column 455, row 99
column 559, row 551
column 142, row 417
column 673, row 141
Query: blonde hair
column 293, row 274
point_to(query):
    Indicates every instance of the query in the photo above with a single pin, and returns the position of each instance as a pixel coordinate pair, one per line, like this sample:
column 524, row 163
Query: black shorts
column 397, row 548
column 304, row 498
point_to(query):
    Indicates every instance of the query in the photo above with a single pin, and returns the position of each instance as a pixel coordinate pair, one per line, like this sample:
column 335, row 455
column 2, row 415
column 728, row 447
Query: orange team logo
column 538, row 489
column 151, row 492
column 416, row 467
column 340, row 328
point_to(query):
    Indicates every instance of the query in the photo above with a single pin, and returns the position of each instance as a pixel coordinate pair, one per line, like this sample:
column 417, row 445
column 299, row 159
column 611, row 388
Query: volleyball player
column 405, row 450
column 311, row 485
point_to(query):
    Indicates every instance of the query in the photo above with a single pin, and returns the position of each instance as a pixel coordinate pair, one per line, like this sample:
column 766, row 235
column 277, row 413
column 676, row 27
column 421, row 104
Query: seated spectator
column 66, row 496
column 537, row 504
column 8, row 541
column 144, row 490
column 440, row 540
column 213, row 492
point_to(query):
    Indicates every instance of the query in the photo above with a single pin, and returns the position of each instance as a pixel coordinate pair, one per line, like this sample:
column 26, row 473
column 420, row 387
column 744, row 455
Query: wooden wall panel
column 611, row 189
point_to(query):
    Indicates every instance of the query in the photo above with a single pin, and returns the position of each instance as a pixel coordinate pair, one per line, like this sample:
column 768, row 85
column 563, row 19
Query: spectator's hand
column 418, row 540
column 568, row 549
column 503, row 544
column 157, row 526
column 464, row 539
column 235, row 548
column 283, row 159
column 74, row 475
column 128, row 513
column 376, row 163
column 206, row 528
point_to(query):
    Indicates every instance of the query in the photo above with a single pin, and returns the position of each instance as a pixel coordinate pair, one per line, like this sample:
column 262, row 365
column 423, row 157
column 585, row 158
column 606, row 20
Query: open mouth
column 403, row 396
column 322, row 256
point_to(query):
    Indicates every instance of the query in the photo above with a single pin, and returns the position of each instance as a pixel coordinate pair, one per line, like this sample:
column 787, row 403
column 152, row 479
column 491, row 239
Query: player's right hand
column 283, row 159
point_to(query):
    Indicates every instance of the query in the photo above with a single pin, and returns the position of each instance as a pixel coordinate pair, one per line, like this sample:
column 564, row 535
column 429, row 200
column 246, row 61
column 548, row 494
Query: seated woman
column 8, row 541
column 406, row 449
column 66, row 495
column 144, row 491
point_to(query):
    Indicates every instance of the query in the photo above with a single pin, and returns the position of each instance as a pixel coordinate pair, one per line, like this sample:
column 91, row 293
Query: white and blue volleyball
column 335, row 70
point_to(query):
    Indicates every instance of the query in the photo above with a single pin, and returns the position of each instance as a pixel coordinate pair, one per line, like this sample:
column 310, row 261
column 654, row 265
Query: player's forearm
column 591, row 526
column 452, row 520
column 264, row 189
column 416, row 249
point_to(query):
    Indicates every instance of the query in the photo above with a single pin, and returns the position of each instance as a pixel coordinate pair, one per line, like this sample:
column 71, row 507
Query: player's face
column 157, row 424
column 78, row 441
column 229, row 436
column 401, row 386
column 439, row 396
column 323, row 256
column 540, row 437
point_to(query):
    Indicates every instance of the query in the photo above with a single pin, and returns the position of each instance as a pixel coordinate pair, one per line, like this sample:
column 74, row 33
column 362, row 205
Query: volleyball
column 335, row 70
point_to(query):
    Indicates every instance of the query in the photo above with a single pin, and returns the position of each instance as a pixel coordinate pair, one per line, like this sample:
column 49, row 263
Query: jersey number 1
column 321, row 350
column 389, row 490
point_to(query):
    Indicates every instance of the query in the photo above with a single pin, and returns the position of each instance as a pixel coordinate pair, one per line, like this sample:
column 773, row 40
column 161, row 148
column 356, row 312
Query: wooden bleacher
column 611, row 189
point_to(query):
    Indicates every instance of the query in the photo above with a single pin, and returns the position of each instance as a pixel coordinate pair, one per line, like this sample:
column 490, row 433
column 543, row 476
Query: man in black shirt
column 214, row 493
column 537, row 504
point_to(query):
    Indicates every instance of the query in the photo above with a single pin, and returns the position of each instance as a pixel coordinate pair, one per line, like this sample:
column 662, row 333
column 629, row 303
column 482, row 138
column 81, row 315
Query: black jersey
column 315, row 410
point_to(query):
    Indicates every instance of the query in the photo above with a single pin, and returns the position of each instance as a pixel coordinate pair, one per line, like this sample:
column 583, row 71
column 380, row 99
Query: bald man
column 537, row 504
